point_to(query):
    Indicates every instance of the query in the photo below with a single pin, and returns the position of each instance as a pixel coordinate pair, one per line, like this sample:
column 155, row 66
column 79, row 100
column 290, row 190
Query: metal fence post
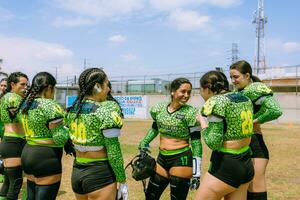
column 297, row 80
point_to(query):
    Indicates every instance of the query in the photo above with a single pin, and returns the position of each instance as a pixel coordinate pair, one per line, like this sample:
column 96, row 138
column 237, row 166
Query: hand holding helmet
column 195, row 181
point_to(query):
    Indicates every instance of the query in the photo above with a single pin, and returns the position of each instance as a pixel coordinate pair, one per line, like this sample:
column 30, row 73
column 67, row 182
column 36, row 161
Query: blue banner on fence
column 133, row 106
column 70, row 100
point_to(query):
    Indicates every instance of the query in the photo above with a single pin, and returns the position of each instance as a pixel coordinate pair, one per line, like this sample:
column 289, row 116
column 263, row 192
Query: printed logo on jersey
column 28, row 131
column 179, row 116
column 247, row 124
column 208, row 107
column 58, row 109
column 117, row 119
column 78, row 132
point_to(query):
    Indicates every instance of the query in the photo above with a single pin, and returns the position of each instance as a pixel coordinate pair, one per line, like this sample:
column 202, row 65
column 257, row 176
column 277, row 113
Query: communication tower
column 259, row 19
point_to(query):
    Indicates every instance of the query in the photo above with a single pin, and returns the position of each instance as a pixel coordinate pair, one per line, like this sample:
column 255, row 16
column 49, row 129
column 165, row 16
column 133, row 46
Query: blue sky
column 137, row 37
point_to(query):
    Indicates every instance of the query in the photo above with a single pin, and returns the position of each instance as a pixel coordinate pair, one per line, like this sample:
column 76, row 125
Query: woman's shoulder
column 49, row 105
column 11, row 95
column 256, row 90
column 159, row 106
column 215, row 105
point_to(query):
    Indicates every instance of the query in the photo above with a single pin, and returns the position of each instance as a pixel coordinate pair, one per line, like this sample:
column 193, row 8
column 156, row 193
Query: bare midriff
column 237, row 144
column 92, row 154
column 14, row 128
column 172, row 143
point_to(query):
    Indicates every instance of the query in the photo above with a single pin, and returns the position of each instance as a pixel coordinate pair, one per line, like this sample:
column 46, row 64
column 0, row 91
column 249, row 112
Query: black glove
column 194, row 183
column 69, row 148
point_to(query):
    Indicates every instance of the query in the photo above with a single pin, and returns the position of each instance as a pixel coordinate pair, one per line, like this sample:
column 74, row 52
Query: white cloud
column 117, row 38
column 128, row 57
column 224, row 3
column 79, row 21
column 290, row 47
column 276, row 45
column 175, row 4
column 101, row 8
column 188, row 20
column 5, row 15
column 31, row 56
column 233, row 23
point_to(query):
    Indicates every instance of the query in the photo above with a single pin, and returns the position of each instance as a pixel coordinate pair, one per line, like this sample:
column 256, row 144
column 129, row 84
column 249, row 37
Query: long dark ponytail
column 39, row 82
column 244, row 67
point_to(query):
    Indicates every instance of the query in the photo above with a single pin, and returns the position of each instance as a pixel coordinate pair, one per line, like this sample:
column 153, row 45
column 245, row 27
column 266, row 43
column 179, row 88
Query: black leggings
column 12, row 182
column 157, row 185
column 43, row 192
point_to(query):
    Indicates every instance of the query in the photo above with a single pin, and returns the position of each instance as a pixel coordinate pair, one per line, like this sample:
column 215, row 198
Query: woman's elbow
column 278, row 113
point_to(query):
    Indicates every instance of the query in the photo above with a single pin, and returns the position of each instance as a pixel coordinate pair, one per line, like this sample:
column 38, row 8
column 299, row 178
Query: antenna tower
column 234, row 53
column 260, row 20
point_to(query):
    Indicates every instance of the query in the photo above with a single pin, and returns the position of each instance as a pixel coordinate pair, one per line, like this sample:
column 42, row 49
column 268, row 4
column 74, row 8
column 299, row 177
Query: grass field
column 283, row 174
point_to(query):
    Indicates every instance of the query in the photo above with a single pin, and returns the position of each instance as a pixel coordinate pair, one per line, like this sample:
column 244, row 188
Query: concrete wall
column 290, row 104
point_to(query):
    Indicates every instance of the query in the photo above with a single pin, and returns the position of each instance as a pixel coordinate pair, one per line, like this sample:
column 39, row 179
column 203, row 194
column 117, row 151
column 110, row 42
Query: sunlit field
column 283, row 174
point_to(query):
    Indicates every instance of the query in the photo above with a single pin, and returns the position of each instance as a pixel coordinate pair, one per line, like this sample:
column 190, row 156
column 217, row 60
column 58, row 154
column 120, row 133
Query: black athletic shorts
column 232, row 169
column 41, row 161
column 182, row 159
column 258, row 147
column 11, row 147
column 92, row 176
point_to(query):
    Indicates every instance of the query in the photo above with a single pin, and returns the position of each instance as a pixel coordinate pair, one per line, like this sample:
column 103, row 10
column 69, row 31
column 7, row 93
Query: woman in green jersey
column 3, row 85
column 266, row 109
column 227, row 131
column 14, row 138
column 95, row 125
column 42, row 120
column 180, row 149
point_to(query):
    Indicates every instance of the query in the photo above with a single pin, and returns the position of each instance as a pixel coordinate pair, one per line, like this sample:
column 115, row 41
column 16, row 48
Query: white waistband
column 87, row 148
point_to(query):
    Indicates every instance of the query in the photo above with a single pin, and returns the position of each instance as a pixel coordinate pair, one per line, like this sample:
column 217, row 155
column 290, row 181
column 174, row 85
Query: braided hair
column 39, row 82
column 111, row 98
column 216, row 81
column 13, row 78
column 87, row 80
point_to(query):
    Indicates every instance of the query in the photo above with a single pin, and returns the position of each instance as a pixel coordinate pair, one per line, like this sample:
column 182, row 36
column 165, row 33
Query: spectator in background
column 3, row 85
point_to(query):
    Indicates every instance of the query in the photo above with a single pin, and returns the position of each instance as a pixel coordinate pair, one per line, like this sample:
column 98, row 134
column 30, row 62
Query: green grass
column 283, row 177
